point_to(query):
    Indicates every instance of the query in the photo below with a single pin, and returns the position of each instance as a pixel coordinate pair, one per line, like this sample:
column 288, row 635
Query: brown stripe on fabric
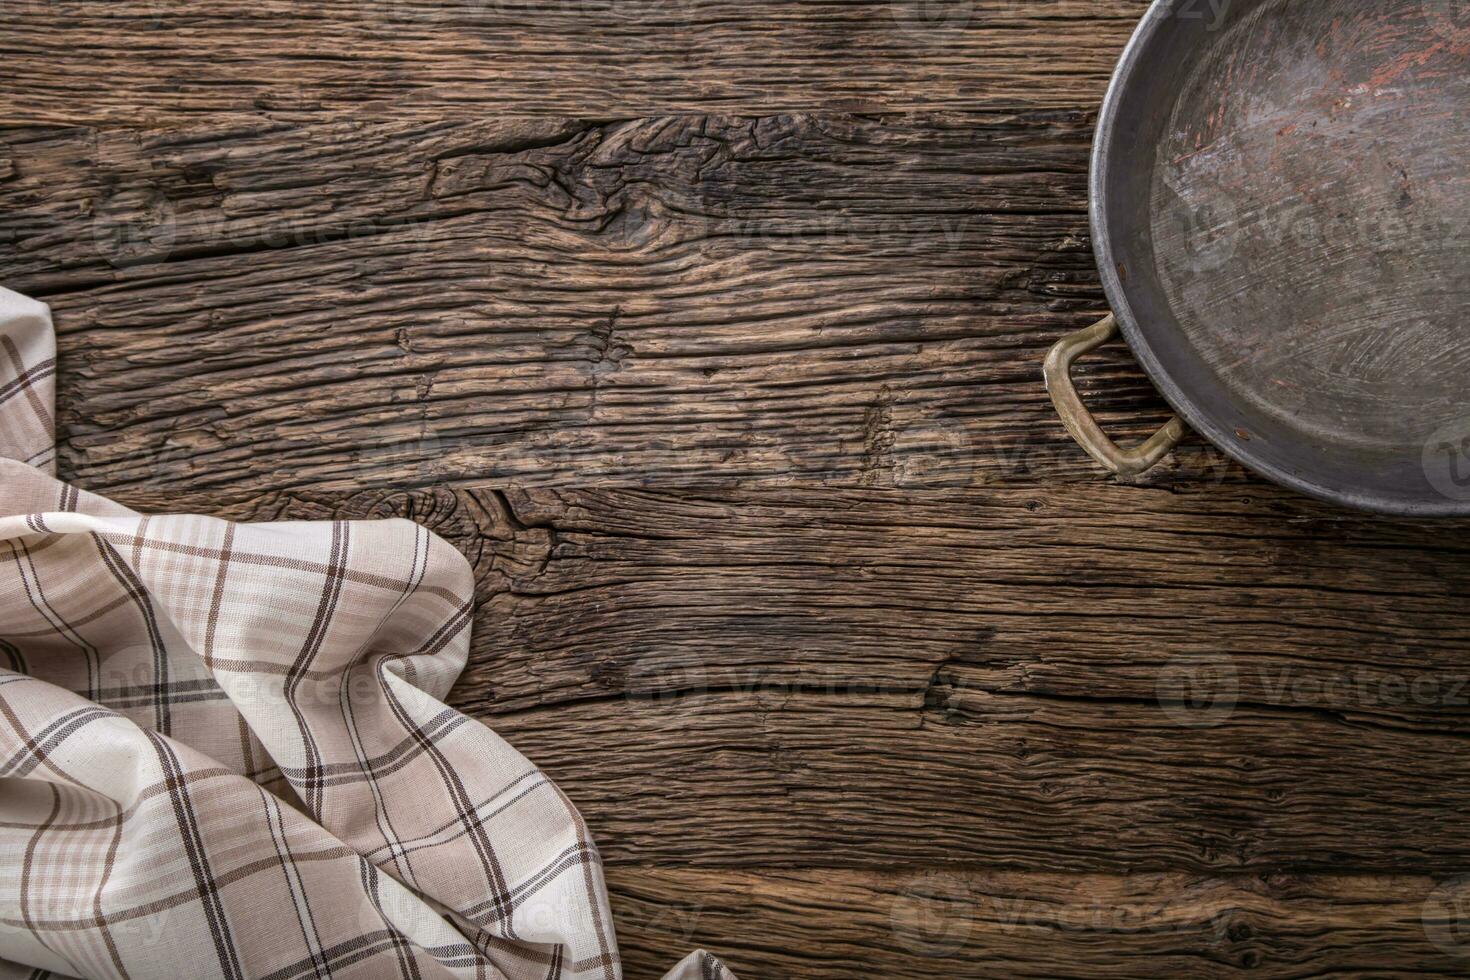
column 293, row 564
column 596, row 900
column 539, row 954
column 108, row 861
column 36, row 750
column 204, row 881
column 192, row 691
column 375, row 769
column 191, row 895
column 160, row 788
column 368, row 771
column 50, row 541
column 37, row 597
column 440, row 638
column 392, row 760
column 139, row 533
column 218, row 597
column 464, row 811
column 408, row 969
column 139, row 594
column 294, row 887
column 13, row 654
column 76, row 621
column 174, row 700
column 28, row 863
column 32, row 396
column 40, row 758
column 39, row 371
column 571, row 856
column 333, row 774
column 62, row 827
column 270, row 774
column 339, row 956
column 458, row 621
column 247, row 753
column 415, row 576
column 428, row 840
column 331, row 591
column 605, row 961
column 270, row 668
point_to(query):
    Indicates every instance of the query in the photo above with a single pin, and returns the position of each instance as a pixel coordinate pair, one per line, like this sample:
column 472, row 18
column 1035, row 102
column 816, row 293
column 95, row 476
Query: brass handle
column 1079, row 421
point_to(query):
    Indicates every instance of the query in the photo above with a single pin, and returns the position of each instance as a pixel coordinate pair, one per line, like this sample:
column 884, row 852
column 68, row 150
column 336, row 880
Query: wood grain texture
column 906, row 925
column 1076, row 678
column 794, row 299
column 153, row 63
column 710, row 331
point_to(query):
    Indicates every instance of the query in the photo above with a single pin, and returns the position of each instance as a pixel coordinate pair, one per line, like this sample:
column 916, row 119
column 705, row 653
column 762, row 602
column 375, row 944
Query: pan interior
column 1305, row 172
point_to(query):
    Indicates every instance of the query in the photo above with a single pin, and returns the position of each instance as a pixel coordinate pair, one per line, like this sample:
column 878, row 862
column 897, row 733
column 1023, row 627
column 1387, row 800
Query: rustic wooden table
column 710, row 330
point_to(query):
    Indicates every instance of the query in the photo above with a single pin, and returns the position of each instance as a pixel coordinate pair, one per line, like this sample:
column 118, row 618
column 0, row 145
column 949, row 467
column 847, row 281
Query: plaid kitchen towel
column 224, row 750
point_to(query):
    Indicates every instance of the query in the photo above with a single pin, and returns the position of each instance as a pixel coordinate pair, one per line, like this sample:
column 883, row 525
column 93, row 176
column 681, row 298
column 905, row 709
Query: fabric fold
column 224, row 748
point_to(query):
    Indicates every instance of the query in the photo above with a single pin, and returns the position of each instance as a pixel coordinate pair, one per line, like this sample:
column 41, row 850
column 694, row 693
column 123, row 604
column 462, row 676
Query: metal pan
column 1281, row 217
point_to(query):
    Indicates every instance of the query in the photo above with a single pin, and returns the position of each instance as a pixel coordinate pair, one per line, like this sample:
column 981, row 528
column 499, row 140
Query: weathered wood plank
column 901, row 923
column 1021, row 727
column 1074, row 678
column 152, row 63
column 793, row 299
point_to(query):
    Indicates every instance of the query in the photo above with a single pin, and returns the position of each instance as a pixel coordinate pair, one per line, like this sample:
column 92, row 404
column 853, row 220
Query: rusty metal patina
column 1287, row 184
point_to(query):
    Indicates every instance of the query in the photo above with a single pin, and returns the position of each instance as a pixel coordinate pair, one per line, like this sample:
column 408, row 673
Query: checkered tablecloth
column 226, row 754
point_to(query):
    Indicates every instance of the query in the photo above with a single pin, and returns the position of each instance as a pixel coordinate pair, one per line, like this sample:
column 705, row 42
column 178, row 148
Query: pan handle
column 1079, row 421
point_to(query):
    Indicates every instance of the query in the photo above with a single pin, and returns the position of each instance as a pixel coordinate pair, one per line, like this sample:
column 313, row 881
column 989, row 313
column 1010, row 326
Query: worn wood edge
column 152, row 64
column 1015, row 678
column 913, row 922
column 658, row 301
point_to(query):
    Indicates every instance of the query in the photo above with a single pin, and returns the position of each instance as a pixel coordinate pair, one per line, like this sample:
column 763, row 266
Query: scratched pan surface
column 1281, row 211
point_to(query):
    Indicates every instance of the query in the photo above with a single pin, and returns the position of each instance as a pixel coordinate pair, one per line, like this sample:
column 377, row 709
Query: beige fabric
column 224, row 750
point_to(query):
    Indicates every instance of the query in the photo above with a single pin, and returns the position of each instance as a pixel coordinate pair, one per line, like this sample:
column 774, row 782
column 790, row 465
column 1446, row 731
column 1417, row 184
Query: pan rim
column 1120, row 89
